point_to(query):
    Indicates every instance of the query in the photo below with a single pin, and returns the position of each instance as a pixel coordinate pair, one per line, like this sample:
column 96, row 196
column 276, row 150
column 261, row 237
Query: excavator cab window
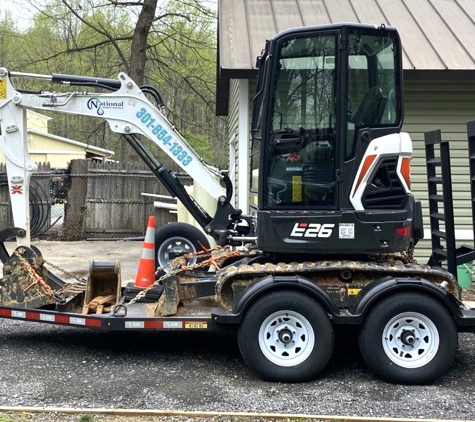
column 319, row 90
column 372, row 84
column 302, row 130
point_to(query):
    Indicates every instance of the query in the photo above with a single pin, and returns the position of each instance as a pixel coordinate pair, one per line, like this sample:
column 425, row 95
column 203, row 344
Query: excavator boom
column 129, row 112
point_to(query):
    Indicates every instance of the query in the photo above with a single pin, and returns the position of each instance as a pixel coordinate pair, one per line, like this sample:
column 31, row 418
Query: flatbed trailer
column 331, row 228
column 202, row 314
column 195, row 301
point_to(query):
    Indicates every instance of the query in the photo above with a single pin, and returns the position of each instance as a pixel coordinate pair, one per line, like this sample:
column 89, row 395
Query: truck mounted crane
column 328, row 237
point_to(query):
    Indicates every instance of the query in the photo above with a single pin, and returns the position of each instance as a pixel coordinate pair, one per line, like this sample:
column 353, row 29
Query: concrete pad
column 75, row 257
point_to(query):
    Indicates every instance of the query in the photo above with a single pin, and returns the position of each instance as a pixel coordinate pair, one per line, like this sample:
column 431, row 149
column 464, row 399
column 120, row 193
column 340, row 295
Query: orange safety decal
column 364, row 170
column 406, row 171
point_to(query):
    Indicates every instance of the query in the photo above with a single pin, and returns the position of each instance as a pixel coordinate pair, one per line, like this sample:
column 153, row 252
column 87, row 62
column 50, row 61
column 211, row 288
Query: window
column 301, row 162
column 372, row 84
column 305, row 85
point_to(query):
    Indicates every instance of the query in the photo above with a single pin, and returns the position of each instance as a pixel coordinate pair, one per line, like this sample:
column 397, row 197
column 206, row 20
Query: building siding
column 233, row 131
column 43, row 149
column 447, row 106
column 48, row 148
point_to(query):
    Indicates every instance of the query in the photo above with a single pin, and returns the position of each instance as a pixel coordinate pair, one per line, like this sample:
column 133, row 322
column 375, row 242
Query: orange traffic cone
column 146, row 273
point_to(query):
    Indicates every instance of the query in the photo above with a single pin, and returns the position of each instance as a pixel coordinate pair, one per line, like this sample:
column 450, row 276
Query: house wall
column 43, row 149
column 238, row 129
column 57, row 153
column 447, row 106
column 47, row 148
column 37, row 121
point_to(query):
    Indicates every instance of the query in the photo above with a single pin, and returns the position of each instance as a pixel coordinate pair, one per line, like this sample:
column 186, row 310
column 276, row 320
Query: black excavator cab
column 330, row 168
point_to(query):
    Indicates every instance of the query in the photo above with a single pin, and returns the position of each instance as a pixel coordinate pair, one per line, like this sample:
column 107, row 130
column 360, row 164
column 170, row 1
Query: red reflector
column 403, row 231
column 5, row 312
column 153, row 324
column 90, row 322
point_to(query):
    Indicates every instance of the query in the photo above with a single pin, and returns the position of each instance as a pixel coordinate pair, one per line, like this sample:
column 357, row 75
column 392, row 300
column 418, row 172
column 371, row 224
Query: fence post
column 74, row 226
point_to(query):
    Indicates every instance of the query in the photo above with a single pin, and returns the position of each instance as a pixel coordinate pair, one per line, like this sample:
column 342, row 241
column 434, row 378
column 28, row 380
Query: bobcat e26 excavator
column 326, row 242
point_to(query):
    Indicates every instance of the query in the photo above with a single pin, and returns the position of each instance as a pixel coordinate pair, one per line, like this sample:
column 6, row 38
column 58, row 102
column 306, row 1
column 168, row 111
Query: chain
column 80, row 279
column 37, row 279
column 224, row 252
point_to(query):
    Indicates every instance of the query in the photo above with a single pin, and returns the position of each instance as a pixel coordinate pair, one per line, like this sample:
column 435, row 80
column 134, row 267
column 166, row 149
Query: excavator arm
column 129, row 112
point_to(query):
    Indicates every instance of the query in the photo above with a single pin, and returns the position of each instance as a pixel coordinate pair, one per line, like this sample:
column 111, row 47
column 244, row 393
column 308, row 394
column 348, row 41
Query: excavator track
column 342, row 279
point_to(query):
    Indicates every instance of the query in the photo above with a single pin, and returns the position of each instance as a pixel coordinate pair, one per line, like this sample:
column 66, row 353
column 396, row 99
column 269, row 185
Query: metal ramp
column 445, row 253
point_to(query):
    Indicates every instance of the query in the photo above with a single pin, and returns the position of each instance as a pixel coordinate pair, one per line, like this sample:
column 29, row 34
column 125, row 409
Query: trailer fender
column 384, row 286
column 270, row 283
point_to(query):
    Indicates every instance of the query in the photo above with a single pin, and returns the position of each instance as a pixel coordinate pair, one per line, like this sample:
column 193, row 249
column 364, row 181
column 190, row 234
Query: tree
column 171, row 45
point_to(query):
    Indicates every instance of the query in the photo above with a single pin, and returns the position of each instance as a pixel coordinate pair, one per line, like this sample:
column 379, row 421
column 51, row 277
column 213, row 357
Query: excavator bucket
column 103, row 287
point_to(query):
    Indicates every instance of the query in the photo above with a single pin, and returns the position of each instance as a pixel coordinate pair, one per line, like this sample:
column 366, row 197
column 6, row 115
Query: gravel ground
column 63, row 367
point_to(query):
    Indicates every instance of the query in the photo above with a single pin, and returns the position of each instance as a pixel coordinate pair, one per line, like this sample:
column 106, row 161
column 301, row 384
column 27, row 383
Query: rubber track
column 308, row 269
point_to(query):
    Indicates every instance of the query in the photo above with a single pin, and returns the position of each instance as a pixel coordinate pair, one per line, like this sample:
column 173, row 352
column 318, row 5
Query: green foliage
column 201, row 144
column 85, row 37
column 184, row 67
column 16, row 417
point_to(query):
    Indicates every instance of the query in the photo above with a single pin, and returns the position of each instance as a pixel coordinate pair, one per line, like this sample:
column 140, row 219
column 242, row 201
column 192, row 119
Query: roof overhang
column 86, row 147
column 438, row 37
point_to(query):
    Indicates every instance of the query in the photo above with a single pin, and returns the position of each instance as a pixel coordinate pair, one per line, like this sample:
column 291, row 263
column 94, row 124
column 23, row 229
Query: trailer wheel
column 409, row 338
column 286, row 336
column 175, row 239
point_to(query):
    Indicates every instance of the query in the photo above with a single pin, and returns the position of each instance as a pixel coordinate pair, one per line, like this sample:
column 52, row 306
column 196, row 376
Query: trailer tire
column 177, row 238
column 281, row 319
column 409, row 338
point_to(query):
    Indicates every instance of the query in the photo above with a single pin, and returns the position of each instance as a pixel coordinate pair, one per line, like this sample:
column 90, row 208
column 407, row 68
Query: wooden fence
column 102, row 200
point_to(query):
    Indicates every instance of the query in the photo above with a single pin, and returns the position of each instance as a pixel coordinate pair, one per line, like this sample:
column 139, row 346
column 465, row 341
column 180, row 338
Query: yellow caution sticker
column 296, row 188
column 353, row 292
column 198, row 325
column 3, row 88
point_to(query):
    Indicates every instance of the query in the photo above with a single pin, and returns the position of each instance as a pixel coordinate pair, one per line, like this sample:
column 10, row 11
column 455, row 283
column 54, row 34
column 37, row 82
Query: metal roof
column 437, row 35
